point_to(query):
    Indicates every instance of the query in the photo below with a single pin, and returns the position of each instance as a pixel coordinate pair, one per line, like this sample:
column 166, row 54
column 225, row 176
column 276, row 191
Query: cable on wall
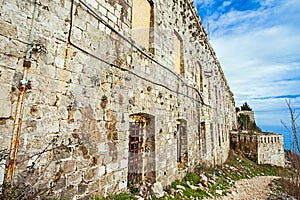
column 136, row 47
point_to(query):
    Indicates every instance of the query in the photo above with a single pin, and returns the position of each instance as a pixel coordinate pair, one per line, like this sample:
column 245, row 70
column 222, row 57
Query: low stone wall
column 244, row 143
column 263, row 148
column 271, row 149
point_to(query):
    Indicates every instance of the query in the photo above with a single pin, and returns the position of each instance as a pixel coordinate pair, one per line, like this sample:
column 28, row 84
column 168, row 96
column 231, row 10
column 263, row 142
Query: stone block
column 59, row 62
column 7, row 29
column 93, row 187
column 8, row 61
column 112, row 17
column 48, row 125
column 101, row 171
column 6, row 75
column 102, row 10
column 157, row 190
column 122, row 185
column 91, row 173
column 74, row 178
column 45, row 68
column 111, row 167
column 102, row 148
column 5, row 103
column 12, row 47
column 93, row 3
column 123, row 164
column 68, row 166
column 77, row 33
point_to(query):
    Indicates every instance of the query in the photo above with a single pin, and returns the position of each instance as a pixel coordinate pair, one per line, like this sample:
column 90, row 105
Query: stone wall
column 244, row 143
column 76, row 89
column 247, row 113
column 271, row 149
column 263, row 148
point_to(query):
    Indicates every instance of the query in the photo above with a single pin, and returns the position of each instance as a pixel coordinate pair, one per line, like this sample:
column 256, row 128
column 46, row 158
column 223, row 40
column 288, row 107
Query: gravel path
column 250, row 189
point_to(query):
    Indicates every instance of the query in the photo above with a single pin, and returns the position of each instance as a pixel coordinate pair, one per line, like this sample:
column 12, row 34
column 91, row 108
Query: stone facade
column 244, row 143
column 88, row 106
column 263, row 148
column 247, row 113
column 270, row 149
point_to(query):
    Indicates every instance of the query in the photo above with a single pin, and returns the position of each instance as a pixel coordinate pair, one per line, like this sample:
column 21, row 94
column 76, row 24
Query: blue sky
column 258, row 45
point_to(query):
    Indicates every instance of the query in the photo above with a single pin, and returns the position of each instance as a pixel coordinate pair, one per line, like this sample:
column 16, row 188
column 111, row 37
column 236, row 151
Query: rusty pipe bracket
column 27, row 63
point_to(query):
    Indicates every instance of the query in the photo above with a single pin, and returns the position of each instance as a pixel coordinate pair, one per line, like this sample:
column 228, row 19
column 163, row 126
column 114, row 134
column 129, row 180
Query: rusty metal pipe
column 20, row 104
column 16, row 136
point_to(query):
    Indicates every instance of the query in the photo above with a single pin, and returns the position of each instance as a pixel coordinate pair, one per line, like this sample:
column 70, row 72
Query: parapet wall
column 244, row 143
column 87, row 107
column 271, row 149
column 263, row 148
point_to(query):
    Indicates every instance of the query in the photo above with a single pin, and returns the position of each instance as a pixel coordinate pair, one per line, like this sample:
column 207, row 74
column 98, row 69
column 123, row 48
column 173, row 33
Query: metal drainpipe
column 19, row 108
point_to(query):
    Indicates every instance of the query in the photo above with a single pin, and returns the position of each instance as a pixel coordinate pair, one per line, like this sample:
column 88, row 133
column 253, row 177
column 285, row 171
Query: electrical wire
column 136, row 47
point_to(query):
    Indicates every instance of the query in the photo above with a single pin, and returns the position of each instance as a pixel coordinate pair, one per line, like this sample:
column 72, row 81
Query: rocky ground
column 237, row 179
column 254, row 188
column 257, row 188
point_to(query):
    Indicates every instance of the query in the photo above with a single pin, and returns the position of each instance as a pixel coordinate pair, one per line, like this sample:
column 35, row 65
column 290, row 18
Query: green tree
column 246, row 107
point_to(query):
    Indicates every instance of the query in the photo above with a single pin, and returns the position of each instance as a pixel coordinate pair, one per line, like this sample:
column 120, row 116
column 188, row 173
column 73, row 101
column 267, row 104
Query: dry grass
column 291, row 184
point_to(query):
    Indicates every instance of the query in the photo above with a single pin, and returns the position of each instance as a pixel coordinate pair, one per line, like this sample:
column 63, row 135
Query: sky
column 257, row 43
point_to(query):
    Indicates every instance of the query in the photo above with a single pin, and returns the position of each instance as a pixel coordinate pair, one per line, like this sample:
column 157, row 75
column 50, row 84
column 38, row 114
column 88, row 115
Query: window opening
column 178, row 50
column 203, row 137
column 135, row 160
column 181, row 136
column 141, row 156
column 142, row 23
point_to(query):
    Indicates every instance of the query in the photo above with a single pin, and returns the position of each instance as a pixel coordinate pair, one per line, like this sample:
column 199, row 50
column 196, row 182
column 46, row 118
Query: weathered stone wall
column 74, row 83
column 247, row 113
column 263, row 148
column 271, row 149
column 244, row 143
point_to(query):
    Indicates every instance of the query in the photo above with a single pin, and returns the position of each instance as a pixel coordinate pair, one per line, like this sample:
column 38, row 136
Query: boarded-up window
column 178, row 50
column 141, row 22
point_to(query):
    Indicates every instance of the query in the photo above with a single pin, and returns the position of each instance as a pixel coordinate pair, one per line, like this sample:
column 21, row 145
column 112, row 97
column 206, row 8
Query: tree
column 246, row 107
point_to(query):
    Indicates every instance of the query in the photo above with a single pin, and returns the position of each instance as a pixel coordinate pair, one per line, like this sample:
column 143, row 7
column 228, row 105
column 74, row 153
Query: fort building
column 100, row 94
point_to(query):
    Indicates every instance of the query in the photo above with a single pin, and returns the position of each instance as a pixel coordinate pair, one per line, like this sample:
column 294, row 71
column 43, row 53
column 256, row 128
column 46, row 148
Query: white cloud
column 226, row 3
column 259, row 52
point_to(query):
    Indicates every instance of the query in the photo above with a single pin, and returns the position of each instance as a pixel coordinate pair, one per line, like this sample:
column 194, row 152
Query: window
column 142, row 21
column 178, row 51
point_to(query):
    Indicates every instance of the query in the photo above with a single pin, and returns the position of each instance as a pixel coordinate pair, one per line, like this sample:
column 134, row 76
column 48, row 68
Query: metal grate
column 135, row 160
